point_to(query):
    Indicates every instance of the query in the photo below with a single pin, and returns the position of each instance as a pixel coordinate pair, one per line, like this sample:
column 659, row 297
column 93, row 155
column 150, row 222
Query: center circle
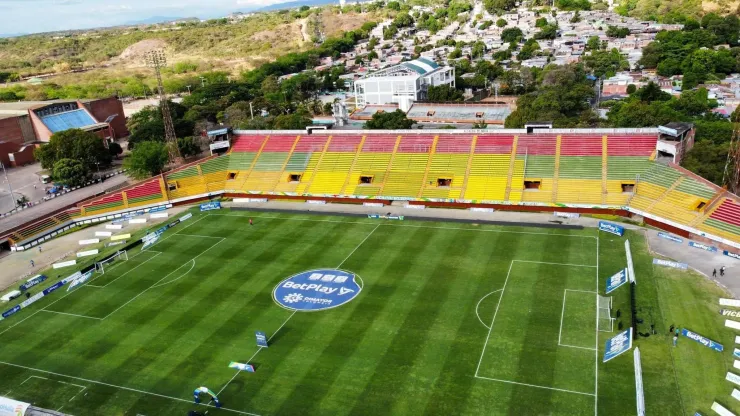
column 316, row 290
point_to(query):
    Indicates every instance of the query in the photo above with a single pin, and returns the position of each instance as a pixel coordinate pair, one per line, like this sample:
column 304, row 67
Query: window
column 700, row 205
column 232, row 175
column 444, row 182
column 628, row 187
column 366, row 180
column 172, row 186
column 294, row 177
column 532, row 184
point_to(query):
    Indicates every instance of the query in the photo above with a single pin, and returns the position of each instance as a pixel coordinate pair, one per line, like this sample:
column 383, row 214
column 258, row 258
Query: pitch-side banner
column 617, row 280
column 611, row 228
column 702, row 340
column 209, row 206
column 261, row 339
column 620, row 344
column 670, row 237
column 9, row 407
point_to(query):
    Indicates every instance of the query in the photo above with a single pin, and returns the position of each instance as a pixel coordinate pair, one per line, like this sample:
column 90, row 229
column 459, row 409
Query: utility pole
column 156, row 59
column 251, row 111
column 10, row 188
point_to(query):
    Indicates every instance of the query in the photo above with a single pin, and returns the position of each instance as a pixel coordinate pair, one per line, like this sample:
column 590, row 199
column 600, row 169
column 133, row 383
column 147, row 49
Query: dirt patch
column 136, row 51
column 334, row 24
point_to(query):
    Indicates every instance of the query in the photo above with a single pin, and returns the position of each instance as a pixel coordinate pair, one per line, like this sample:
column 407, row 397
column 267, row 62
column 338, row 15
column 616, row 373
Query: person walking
column 250, row 222
column 675, row 340
column 33, row 264
column 714, row 273
column 722, row 271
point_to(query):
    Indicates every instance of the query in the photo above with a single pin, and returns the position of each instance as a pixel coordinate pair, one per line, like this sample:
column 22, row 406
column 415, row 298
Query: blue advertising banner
column 52, row 288
column 11, row 311
column 670, row 237
column 385, row 217
column 611, row 228
column 617, row 280
column 702, row 246
column 736, row 353
column 702, row 340
column 80, row 280
column 621, row 343
column 261, row 339
column 669, row 263
column 209, row 206
column 316, row 290
column 731, row 254
column 158, row 209
column 32, row 282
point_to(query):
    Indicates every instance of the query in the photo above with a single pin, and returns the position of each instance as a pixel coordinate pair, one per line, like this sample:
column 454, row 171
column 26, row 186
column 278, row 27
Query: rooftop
column 75, row 119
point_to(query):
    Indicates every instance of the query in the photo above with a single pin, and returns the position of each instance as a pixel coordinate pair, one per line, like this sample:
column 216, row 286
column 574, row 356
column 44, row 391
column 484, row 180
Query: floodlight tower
column 156, row 59
column 731, row 177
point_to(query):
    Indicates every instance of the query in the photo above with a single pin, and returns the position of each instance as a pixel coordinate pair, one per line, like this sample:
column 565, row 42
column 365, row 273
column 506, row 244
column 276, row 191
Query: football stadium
column 279, row 278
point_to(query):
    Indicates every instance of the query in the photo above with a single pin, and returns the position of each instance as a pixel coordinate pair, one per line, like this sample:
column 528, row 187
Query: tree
column 501, row 23
column 605, row 62
column 497, row 6
column 541, row 22
column 528, row 50
column 480, row 125
column 147, row 159
column 395, row 120
column 188, row 146
column 393, row 5
column 707, row 160
column 512, row 34
column 547, row 32
column 295, row 121
column 631, row 88
column 593, row 43
column 147, row 124
column 479, row 48
column 74, row 144
column 115, row 149
column 617, row 32
column 456, row 53
column 69, row 172
column 652, row 92
column 443, row 94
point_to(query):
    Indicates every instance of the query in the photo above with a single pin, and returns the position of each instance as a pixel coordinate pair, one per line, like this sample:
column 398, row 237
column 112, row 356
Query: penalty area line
column 535, row 386
column 478, row 305
column 122, row 387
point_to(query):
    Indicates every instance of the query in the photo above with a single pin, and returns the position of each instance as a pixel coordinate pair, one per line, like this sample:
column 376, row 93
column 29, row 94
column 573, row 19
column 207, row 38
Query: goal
column 116, row 258
column 606, row 322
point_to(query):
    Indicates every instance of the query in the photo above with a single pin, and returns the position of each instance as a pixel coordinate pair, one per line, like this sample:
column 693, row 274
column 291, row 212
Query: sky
column 33, row 16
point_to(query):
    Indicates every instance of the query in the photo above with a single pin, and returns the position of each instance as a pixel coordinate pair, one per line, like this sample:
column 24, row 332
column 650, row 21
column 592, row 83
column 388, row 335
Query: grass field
column 452, row 319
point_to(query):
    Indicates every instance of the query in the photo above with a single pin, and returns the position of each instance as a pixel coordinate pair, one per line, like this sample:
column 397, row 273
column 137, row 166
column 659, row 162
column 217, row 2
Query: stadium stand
column 594, row 169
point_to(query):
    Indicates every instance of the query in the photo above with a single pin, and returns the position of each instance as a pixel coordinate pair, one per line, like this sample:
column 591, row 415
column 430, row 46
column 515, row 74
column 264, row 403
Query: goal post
column 118, row 256
column 606, row 322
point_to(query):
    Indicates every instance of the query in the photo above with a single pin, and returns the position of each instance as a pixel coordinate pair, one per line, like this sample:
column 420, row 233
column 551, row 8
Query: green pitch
column 452, row 319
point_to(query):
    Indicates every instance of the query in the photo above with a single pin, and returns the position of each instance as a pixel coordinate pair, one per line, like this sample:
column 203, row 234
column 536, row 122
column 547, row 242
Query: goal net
column 606, row 322
column 116, row 258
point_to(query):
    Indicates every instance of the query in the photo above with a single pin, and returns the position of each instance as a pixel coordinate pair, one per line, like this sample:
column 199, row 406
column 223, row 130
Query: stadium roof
column 28, row 105
column 75, row 119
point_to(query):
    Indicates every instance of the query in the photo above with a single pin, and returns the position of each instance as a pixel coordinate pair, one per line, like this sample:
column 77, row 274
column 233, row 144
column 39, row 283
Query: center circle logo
column 316, row 290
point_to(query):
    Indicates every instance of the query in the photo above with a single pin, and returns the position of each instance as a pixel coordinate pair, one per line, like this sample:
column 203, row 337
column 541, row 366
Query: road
column 22, row 181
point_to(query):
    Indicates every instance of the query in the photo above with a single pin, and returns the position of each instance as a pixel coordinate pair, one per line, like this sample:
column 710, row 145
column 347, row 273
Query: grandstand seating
column 594, row 168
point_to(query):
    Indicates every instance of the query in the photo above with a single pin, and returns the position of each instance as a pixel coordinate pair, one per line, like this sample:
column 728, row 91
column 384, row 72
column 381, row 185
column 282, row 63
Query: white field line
column 82, row 388
column 478, row 305
column 201, row 236
column 562, row 318
column 160, row 280
column 190, row 401
column 415, row 226
column 358, row 246
column 596, row 341
column 176, row 233
column 576, row 346
column 554, row 264
column 294, row 311
column 71, row 314
column 490, row 328
column 179, row 277
column 535, row 386
column 134, row 268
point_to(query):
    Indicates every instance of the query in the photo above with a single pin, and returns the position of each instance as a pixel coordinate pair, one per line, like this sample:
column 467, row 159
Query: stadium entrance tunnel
column 318, row 289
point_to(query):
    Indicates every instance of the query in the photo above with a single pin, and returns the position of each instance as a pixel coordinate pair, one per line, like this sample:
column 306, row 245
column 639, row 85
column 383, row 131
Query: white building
column 402, row 84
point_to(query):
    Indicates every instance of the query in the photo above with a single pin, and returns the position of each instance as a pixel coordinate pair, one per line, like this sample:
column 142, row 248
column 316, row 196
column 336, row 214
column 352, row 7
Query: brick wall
column 103, row 108
column 10, row 130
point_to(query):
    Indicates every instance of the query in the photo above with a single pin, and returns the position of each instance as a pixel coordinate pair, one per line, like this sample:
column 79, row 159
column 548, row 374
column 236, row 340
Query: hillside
column 222, row 43
column 662, row 10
